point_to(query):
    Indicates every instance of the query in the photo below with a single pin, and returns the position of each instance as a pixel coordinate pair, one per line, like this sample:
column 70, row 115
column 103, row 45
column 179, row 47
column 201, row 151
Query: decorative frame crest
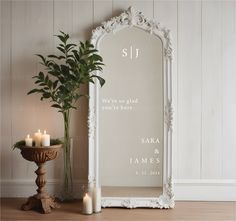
column 133, row 18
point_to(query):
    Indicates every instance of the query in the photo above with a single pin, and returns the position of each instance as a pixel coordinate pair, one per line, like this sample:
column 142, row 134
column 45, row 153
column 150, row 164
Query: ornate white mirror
column 130, row 119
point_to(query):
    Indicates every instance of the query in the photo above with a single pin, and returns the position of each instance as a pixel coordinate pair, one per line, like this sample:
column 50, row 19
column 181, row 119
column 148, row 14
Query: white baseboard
column 26, row 188
column 189, row 190
column 205, row 190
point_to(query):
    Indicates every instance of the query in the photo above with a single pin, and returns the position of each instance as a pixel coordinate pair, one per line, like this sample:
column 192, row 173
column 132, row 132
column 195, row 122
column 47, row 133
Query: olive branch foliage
column 64, row 74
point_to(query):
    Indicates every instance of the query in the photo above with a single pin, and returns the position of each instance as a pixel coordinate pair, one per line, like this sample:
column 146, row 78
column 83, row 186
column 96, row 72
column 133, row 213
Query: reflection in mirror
column 131, row 114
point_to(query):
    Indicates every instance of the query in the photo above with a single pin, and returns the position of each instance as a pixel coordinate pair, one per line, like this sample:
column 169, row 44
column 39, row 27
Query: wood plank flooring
column 184, row 211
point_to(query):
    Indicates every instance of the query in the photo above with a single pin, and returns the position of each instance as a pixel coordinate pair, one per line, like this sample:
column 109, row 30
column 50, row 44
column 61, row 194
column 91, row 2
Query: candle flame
column 28, row 136
column 38, row 130
column 45, row 132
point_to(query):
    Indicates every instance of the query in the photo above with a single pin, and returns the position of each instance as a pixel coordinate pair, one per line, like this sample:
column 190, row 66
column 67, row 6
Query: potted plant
column 61, row 82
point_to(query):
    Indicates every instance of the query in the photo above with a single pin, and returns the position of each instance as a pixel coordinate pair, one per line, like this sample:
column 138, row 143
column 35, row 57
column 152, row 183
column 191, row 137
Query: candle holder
column 40, row 155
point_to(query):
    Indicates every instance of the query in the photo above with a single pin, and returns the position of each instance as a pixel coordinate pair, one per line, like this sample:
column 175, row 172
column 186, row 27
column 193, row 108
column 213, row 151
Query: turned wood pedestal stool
column 40, row 201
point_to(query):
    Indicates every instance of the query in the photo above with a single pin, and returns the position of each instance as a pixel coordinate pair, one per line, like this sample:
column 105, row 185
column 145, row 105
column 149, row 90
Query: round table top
column 40, row 154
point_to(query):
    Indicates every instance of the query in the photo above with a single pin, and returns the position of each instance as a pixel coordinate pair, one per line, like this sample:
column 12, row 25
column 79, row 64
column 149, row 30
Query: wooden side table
column 40, row 155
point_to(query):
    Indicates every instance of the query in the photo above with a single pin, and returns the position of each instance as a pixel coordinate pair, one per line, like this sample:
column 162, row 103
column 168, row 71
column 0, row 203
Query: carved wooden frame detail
column 133, row 18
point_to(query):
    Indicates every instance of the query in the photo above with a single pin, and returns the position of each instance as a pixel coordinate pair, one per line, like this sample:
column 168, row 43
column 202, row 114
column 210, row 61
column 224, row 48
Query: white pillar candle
column 28, row 141
column 97, row 199
column 45, row 139
column 38, row 138
column 87, row 205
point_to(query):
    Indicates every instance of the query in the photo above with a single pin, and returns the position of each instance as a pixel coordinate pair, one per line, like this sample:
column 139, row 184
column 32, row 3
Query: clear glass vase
column 67, row 186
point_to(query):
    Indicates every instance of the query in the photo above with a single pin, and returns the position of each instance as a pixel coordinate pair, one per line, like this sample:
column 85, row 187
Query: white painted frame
column 133, row 18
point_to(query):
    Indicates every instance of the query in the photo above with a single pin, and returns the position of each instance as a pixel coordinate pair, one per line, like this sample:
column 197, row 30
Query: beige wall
column 204, row 68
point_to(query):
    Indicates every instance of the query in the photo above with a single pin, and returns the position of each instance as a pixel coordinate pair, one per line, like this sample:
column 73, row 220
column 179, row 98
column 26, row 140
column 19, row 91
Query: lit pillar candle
column 87, row 205
column 38, row 138
column 45, row 139
column 28, row 141
column 97, row 199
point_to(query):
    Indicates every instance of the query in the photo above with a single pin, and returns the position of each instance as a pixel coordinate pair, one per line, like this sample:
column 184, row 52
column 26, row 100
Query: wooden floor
column 184, row 211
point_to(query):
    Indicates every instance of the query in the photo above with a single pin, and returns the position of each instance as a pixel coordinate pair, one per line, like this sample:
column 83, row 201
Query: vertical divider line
column 11, row 27
column 53, row 17
column 94, row 150
column 221, row 84
column 1, row 86
column 71, row 18
column 72, row 12
column 177, row 77
column 112, row 7
column 153, row 7
column 93, row 15
column 201, row 93
column 53, row 25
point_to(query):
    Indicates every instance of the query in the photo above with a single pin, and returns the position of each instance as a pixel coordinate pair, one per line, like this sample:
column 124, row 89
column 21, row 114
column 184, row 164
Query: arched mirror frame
column 133, row 18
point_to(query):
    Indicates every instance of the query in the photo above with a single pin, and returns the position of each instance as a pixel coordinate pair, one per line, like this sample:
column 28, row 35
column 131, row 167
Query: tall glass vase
column 67, row 188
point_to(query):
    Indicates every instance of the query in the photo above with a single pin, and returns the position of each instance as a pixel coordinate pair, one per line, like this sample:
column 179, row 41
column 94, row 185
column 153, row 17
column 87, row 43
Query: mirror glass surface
column 131, row 121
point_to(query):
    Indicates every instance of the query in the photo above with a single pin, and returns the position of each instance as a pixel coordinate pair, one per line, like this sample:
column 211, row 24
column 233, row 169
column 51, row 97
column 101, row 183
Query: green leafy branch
column 64, row 74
